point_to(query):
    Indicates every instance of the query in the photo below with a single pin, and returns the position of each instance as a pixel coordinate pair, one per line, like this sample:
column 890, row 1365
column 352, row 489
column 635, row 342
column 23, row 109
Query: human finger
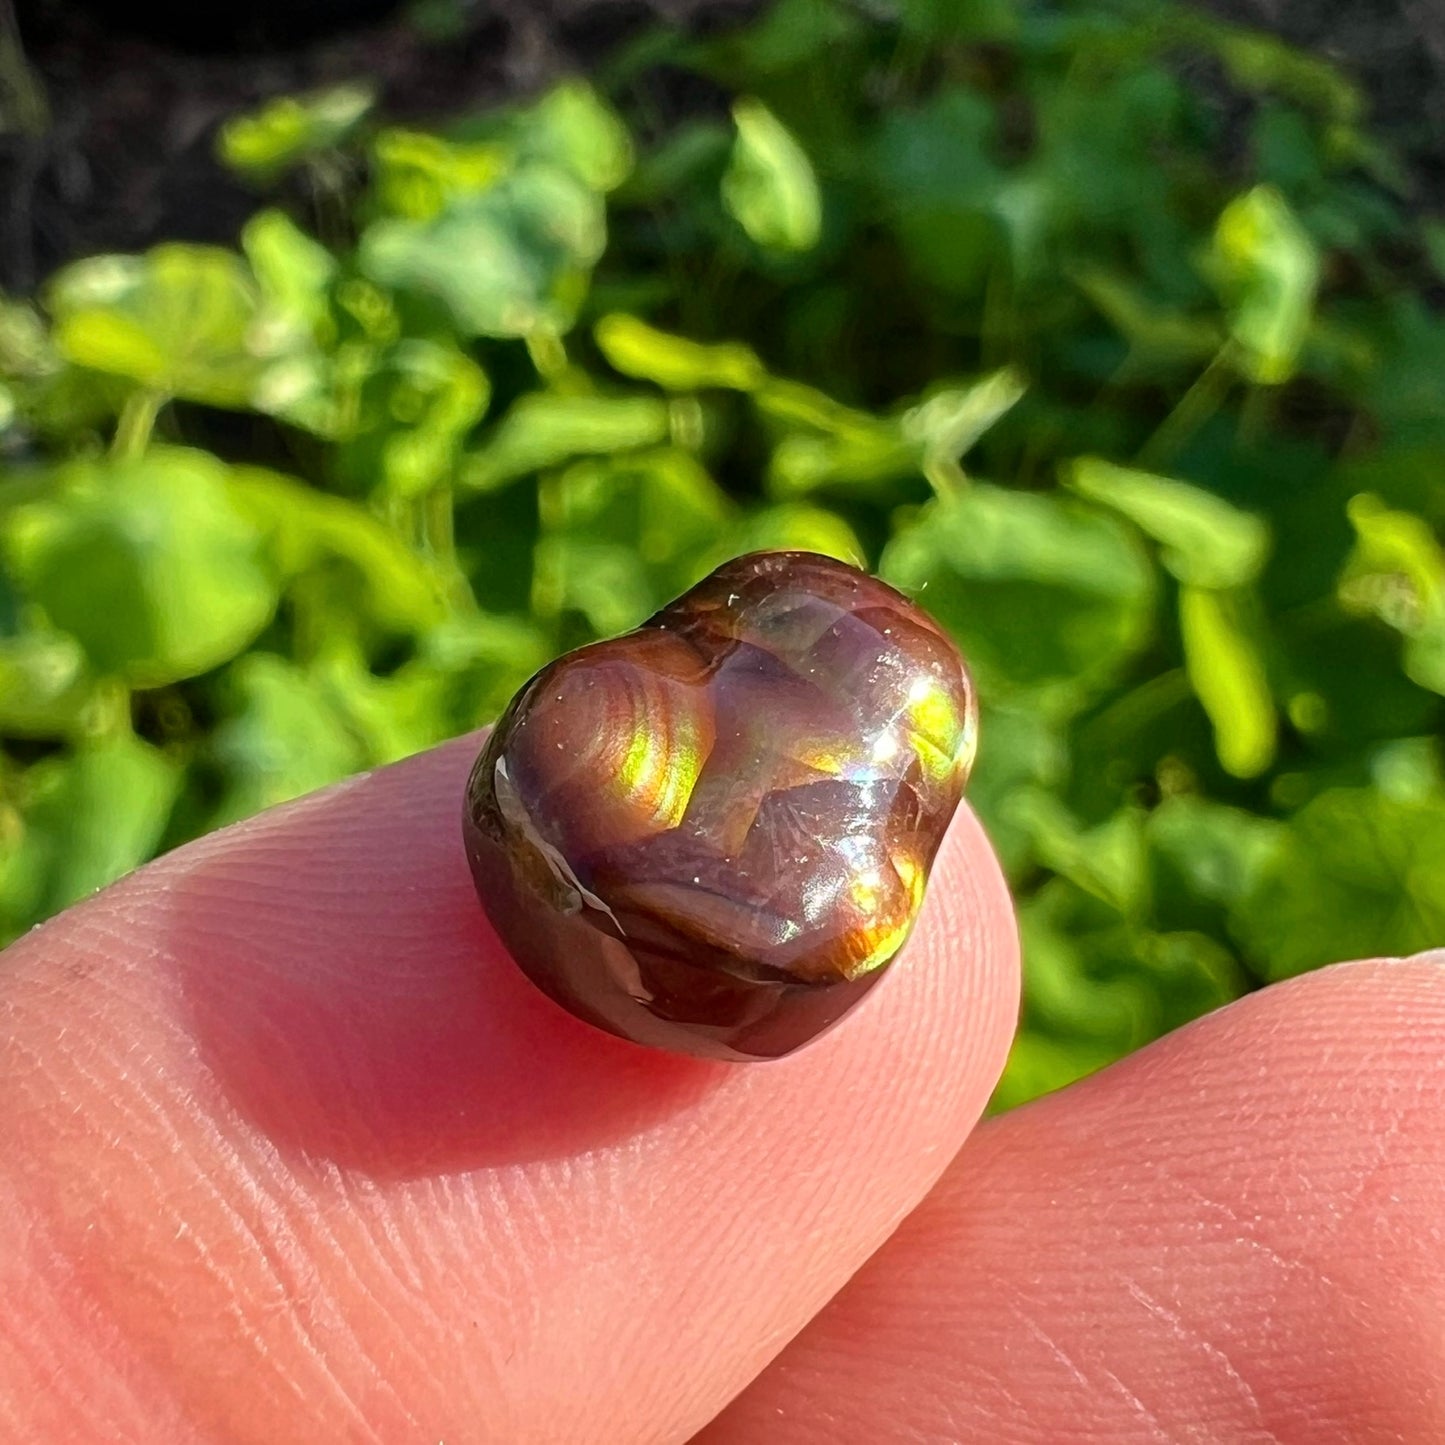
column 1234, row 1235
column 294, row 1152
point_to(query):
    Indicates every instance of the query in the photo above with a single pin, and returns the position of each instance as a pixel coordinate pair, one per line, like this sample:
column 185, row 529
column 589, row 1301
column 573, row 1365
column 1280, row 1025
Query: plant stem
column 109, row 709
column 135, row 424
column 1195, row 408
column 548, row 353
column 439, row 535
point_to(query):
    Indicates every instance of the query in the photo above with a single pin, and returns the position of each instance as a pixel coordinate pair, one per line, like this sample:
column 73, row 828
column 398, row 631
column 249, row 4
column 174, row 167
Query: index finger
column 293, row 1151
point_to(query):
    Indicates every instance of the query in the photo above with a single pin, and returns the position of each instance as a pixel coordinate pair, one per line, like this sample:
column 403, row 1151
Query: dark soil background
column 108, row 108
column 1395, row 48
column 108, row 111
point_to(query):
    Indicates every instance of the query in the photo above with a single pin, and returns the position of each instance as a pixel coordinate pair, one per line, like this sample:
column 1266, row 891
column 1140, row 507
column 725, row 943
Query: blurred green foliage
column 1102, row 328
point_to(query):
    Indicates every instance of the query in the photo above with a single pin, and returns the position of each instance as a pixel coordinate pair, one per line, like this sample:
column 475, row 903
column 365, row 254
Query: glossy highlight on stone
column 712, row 834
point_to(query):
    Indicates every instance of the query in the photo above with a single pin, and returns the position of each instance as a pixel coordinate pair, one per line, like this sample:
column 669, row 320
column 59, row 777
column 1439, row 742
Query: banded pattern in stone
column 712, row 833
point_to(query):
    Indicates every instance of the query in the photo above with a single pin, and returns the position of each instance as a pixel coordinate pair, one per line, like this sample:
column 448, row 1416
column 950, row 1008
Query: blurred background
column 356, row 358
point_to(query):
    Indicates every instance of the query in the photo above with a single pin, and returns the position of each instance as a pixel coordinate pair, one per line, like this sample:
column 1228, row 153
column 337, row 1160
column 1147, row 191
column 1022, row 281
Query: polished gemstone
column 713, row 833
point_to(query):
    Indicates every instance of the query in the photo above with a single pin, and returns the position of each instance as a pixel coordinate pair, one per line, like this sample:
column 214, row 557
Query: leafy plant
column 1102, row 327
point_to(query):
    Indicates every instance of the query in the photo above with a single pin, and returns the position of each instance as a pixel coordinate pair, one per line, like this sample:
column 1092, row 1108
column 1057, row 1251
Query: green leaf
column 693, row 155
column 393, row 716
column 1097, row 986
column 934, row 169
column 9, row 601
column 1206, row 859
column 574, row 127
column 470, row 667
column 1401, row 387
column 1073, row 984
column 876, row 453
column 1158, row 336
column 1355, row 876
column 89, row 818
column 1228, row 676
column 1434, row 237
column 791, row 33
column 280, row 737
column 1040, row 1064
column 1344, row 684
column 180, row 321
column 26, row 349
column 769, row 187
column 541, row 430
column 418, row 176
column 1019, row 753
column 1267, row 269
column 1397, row 572
column 789, row 527
column 1258, row 61
column 263, row 144
column 969, row 22
column 303, row 529
column 829, row 445
column 1408, row 769
column 45, row 686
column 950, row 419
column 623, row 535
column 1206, row 541
column 636, row 349
column 663, row 502
column 1047, row 597
column 794, row 404
column 510, row 261
column 414, row 412
column 1106, row 861
column 149, row 564
column 294, row 272
column 600, row 580
column 464, row 673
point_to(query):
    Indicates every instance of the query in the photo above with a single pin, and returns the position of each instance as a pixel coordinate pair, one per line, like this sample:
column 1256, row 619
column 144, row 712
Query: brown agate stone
column 712, row 833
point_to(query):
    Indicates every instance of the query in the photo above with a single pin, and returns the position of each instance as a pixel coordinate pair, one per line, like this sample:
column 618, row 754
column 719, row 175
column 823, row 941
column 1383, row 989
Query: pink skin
column 1236, row 1236
column 292, row 1153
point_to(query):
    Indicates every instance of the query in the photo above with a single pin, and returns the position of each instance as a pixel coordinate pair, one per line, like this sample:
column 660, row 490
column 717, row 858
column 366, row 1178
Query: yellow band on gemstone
column 661, row 765
column 877, row 899
column 942, row 734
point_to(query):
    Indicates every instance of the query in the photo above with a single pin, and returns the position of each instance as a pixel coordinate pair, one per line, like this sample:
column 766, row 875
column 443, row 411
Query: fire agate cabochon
column 711, row 834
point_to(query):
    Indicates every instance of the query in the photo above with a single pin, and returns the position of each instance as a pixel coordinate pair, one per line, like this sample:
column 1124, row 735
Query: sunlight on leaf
column 1205, row 540
column 1397, row 572
column 1227, row 673
column 636, row 349
column 575, row 127
column 302, row 527
column 509, row 261
column 149, row 564
column 1267, row 268
column 1046, row 597
column 181, row 321
column 262, row 144
column 542, row 430
column 769, row 187
column 951, row 419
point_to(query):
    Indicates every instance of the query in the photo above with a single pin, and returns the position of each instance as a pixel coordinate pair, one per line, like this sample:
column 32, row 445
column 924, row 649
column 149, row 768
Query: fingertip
column 288, row 1075
column 1234, row 1229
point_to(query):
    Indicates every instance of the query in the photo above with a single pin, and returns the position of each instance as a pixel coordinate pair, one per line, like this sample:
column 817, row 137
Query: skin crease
column 293, row 1154
column 1236, row 1235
